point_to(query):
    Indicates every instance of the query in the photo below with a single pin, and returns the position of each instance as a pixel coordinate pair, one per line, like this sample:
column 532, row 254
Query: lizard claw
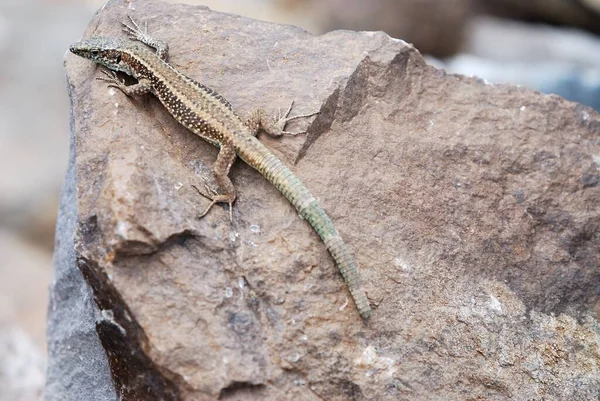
column 113, row 80
column 216, row 198
column 135, row 32
column 209, row 189
column 112, row 76
column 282, row 119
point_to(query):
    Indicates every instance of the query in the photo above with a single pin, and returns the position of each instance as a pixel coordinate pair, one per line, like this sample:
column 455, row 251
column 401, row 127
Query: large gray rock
column 77, row 365
column 473, row 210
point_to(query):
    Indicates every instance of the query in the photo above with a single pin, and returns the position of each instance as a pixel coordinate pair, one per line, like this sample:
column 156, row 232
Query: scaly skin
column 207, row 114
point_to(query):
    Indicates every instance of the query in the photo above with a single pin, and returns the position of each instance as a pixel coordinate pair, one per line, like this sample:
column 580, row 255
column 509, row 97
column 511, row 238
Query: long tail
column 260, row 158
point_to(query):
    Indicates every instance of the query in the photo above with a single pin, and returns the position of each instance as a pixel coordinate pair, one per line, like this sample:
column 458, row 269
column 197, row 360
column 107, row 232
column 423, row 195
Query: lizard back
column 206, row 113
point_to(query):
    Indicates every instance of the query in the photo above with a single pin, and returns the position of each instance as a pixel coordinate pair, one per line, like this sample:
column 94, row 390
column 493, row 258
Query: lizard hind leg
column 214, row 200
column 274, row 127
column 221, row 169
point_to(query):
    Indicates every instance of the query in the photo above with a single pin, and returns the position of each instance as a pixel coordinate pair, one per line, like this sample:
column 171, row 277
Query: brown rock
column 473, row 209
column 434, row 27
column 583, row 14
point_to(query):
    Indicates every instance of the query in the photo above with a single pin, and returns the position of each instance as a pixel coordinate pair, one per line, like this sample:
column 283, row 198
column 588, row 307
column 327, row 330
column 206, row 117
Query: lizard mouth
column 78, row 49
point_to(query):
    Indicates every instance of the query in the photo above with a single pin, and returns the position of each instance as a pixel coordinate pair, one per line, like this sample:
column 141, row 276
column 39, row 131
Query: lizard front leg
column 136, row 33
column 141, row 88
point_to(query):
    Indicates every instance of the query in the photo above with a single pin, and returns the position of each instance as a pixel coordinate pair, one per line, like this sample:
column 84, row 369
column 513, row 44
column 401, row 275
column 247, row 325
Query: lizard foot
column 135, row 32
column 113, row 80
column 274, row 127
column 281, row 121
column 214, row 199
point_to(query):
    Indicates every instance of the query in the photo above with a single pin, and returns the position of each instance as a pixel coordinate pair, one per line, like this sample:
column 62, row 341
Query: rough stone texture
column 473, row 209
column 77, row 364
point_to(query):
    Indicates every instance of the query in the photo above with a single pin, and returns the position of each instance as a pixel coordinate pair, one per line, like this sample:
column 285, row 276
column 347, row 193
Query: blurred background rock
column 548, row 45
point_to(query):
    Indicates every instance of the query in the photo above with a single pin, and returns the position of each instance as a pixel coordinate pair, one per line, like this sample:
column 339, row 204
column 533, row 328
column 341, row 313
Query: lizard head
column 103, row 50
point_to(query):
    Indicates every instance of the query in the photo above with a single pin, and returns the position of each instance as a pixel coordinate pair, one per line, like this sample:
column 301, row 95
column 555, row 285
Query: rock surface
column 77, row 364
column 473, row 209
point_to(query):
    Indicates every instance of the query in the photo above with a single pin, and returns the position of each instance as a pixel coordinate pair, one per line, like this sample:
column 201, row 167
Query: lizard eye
column 118, row 58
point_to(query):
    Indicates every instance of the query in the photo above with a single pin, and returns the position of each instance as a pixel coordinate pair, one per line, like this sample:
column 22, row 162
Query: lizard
column 210, row 116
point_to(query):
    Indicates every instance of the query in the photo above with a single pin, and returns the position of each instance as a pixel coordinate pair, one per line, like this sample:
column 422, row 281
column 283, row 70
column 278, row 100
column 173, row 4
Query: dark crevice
column 138, row 248
column 88, row 231
column 238, row 388
column 134, row 374
column 321, row 124
column 176, row 239
column 89, row 235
